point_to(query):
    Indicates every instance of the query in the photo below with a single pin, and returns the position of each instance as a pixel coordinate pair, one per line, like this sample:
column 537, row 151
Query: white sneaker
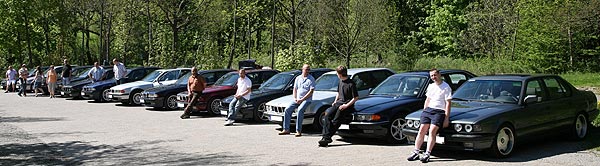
column 228, row 123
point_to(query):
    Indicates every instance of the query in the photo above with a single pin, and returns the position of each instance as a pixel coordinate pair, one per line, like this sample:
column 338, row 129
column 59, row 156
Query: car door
column 532, row 118
column 170, row 77
column 559, row 103
column 363, row 82
column 255, row 78
column 209, row 78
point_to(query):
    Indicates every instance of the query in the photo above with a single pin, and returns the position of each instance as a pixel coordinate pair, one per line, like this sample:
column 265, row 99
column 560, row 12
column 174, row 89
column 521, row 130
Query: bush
column 479, row 66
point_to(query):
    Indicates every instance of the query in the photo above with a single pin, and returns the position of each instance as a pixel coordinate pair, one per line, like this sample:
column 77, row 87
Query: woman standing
column 51, row 80
column 37, row 82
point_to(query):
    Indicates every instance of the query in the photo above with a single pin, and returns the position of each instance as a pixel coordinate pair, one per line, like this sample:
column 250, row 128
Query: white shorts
column 11, row 82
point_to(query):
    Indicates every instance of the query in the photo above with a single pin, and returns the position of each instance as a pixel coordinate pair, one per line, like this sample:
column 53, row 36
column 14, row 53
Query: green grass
column 583, row 79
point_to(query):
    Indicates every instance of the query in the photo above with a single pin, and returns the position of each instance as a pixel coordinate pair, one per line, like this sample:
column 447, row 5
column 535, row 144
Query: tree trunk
column 232, row 52
column 88, row 54
column 27, row 35
column 293, row 26
column 147, row 59
column 108, row 30
column 46, row 35
column 101, row 39
column 248, row 36
column 273, row 35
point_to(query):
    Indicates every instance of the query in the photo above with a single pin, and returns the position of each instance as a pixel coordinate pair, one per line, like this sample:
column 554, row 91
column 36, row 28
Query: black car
column 98, row 91
column 496, row 113
column 74, row 88
column 381, row 114
column 165, row 96
column 277, row 86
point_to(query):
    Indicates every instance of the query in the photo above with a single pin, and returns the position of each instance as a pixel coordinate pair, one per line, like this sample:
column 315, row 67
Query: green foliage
column 284, row 61
column 479, row 66
column 579, row 79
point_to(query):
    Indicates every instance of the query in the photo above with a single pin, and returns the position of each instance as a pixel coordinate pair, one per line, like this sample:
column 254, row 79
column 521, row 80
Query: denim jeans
column 234, row 106
column 66, row 81
column 299, row 116
column 330, row 127
column 23, row 86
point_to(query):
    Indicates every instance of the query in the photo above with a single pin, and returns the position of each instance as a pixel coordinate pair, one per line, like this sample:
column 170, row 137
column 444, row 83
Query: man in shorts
column 11, row 79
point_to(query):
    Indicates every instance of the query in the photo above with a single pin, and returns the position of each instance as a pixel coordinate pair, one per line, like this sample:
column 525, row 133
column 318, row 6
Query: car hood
column 132, row 84
column 377, row 103
column 216, row 88
column 80, row 83
column 162, row 89
column 318, row 96
column 472, row 112
column 255, row 94
column 102, row 83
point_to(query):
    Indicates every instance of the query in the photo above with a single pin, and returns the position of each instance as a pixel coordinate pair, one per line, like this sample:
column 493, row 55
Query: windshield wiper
column 460, row 99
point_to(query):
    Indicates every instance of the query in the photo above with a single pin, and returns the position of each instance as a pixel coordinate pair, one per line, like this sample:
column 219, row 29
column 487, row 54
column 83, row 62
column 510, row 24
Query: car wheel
column 104, row 95
column 395, row 134
column 135, row 98
column 580, row 127
column 171, row 102
column 259, row 113
column 214, row 106
column 504, row 142
column 318, row 123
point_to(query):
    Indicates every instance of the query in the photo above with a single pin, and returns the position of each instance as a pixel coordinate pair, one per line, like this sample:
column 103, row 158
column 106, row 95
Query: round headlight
column 457, row 127
column 409, row 123
column 468, row 128
column 416, row 124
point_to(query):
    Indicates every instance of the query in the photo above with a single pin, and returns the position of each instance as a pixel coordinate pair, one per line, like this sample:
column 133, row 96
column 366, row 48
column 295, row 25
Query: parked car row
column 491, row 113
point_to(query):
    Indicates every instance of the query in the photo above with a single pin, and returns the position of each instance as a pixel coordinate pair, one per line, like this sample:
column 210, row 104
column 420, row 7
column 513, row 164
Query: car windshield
column 327, row 82
column 278, row 81
column 502, row 91
column 183, row 80
column 85, row 73
column 400, row 86
column 152, row 76
column 228, row 79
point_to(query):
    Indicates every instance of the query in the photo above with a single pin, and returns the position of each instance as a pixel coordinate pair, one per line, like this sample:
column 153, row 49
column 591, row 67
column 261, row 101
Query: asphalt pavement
column 43, row 131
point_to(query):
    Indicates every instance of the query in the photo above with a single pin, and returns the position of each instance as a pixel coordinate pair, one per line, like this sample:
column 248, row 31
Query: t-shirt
column 347, row 91
column 97, row 72
column 438, row 94
column 120, row 71
column 38, row 76
column 23, row 72
column 12, row 74
column 303, row 86
column 66, row 71
column 244, row 84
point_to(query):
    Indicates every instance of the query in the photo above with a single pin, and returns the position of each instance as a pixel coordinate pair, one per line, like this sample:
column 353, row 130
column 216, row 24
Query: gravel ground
column 42, row 131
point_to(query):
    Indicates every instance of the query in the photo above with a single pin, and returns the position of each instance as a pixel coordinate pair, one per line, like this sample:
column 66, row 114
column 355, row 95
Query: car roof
column 256, row 70
column 174, row 69
column 144, row 67
column 426, row 72
column 311, row 71
column 214, row 70
column 354, row 71
column 513, row 77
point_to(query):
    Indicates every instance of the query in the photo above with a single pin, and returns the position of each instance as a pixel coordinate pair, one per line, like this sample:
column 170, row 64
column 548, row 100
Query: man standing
column 66, row 72
column 304, row 86
column 23, row 73
column 11, row 79
column 96, row 73
column 435, row 114
column 342, row 107
column 120, row 71
column 242, row 95
column 195, row 86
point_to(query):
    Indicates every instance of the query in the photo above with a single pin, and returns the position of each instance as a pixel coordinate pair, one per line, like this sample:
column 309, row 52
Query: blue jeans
column 234, row 106
column 299, row 116
column 66, row 80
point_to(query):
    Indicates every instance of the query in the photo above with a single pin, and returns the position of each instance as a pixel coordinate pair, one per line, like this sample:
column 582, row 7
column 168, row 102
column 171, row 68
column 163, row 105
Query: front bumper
column 71, row 92
column 243, row 113
column 89, row 94
column 154, row 101
column 364, row 129
column 469, row 142
column 118, row 96
column 278, row 118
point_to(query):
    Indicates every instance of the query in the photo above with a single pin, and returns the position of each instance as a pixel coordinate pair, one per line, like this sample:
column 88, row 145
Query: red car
column 224, row 87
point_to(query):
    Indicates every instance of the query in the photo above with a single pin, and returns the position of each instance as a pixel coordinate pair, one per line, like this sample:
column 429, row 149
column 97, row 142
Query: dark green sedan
column 495, row 112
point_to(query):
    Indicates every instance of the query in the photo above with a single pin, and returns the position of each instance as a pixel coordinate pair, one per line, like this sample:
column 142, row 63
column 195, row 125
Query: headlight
column 458, row 127
column 409, row 123
column 468, row 128
column 247, row 105
column 373, row 117
column 152, row 95
column 417, row 124
column 92, row 89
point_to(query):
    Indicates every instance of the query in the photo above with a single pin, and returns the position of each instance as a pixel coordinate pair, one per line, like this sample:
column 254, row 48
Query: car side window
column 555, row 89
column 209, row 77
column 254, row 77
column 534, row 87
column 170, row 75
column 266, row 76
column 380, row 76
column 455, row 80
column 183, row 72
column 137, row 74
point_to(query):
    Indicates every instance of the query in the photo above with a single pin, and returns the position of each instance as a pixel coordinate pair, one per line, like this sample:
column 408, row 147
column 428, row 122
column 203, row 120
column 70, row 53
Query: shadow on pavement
column 528, row 151
column 135, row 153
column 29, row 119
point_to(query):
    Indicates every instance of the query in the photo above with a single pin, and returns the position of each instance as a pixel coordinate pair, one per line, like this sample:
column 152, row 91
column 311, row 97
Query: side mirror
column 531, row 99
column 370, row 90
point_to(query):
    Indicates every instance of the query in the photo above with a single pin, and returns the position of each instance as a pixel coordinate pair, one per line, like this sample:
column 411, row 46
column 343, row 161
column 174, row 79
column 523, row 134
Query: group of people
column 97, row 73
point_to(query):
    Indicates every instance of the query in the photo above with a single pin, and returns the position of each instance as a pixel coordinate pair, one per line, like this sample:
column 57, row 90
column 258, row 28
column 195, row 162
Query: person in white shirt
column 96, row 72
column 436, row 114
column 242, row 95
column 11, row 79
column 120, row 71
column 23, row 73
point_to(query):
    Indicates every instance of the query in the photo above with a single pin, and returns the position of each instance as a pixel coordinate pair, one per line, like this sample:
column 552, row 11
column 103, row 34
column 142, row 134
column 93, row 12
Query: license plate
column 276, row 118
column 62, row 93
column 141, row 100
column 110, row 96
column 438, row 139
column 344, row 127
column 82, row 94
column 224, row 112
column 180, row 105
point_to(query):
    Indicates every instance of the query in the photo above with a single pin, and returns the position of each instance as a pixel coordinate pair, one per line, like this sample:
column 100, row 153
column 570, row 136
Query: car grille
column 182, row 97
column 86, row 89
column 275, row 109
column 67, row 89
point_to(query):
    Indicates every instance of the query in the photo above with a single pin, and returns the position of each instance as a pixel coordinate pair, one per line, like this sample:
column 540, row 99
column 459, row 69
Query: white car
column 325, row 91
column 131, row 93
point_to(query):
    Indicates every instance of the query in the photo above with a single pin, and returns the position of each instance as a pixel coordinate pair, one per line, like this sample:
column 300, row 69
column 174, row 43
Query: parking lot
column 78, row 132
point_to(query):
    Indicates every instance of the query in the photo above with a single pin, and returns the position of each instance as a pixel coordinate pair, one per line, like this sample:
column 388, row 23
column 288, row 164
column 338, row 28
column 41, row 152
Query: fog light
column 457, row 127
column 468, row 128
column 468, row 145
column 417, row 124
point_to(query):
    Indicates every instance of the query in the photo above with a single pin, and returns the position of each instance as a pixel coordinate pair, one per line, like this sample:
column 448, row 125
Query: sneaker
column 229, row 123
column 414, row 156
column 185, row 116
column 284, row 132
column 324, row 142
column 298, row 134
column 425, row 158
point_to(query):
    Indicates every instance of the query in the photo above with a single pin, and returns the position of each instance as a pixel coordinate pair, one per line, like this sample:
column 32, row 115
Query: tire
column 394, row 134
column 134, row 97
column 104, row 96
column 317, row 123
column 213, row 107
column 259, row 113
column 579, row 129
column 171, row 102
column 504, row 142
